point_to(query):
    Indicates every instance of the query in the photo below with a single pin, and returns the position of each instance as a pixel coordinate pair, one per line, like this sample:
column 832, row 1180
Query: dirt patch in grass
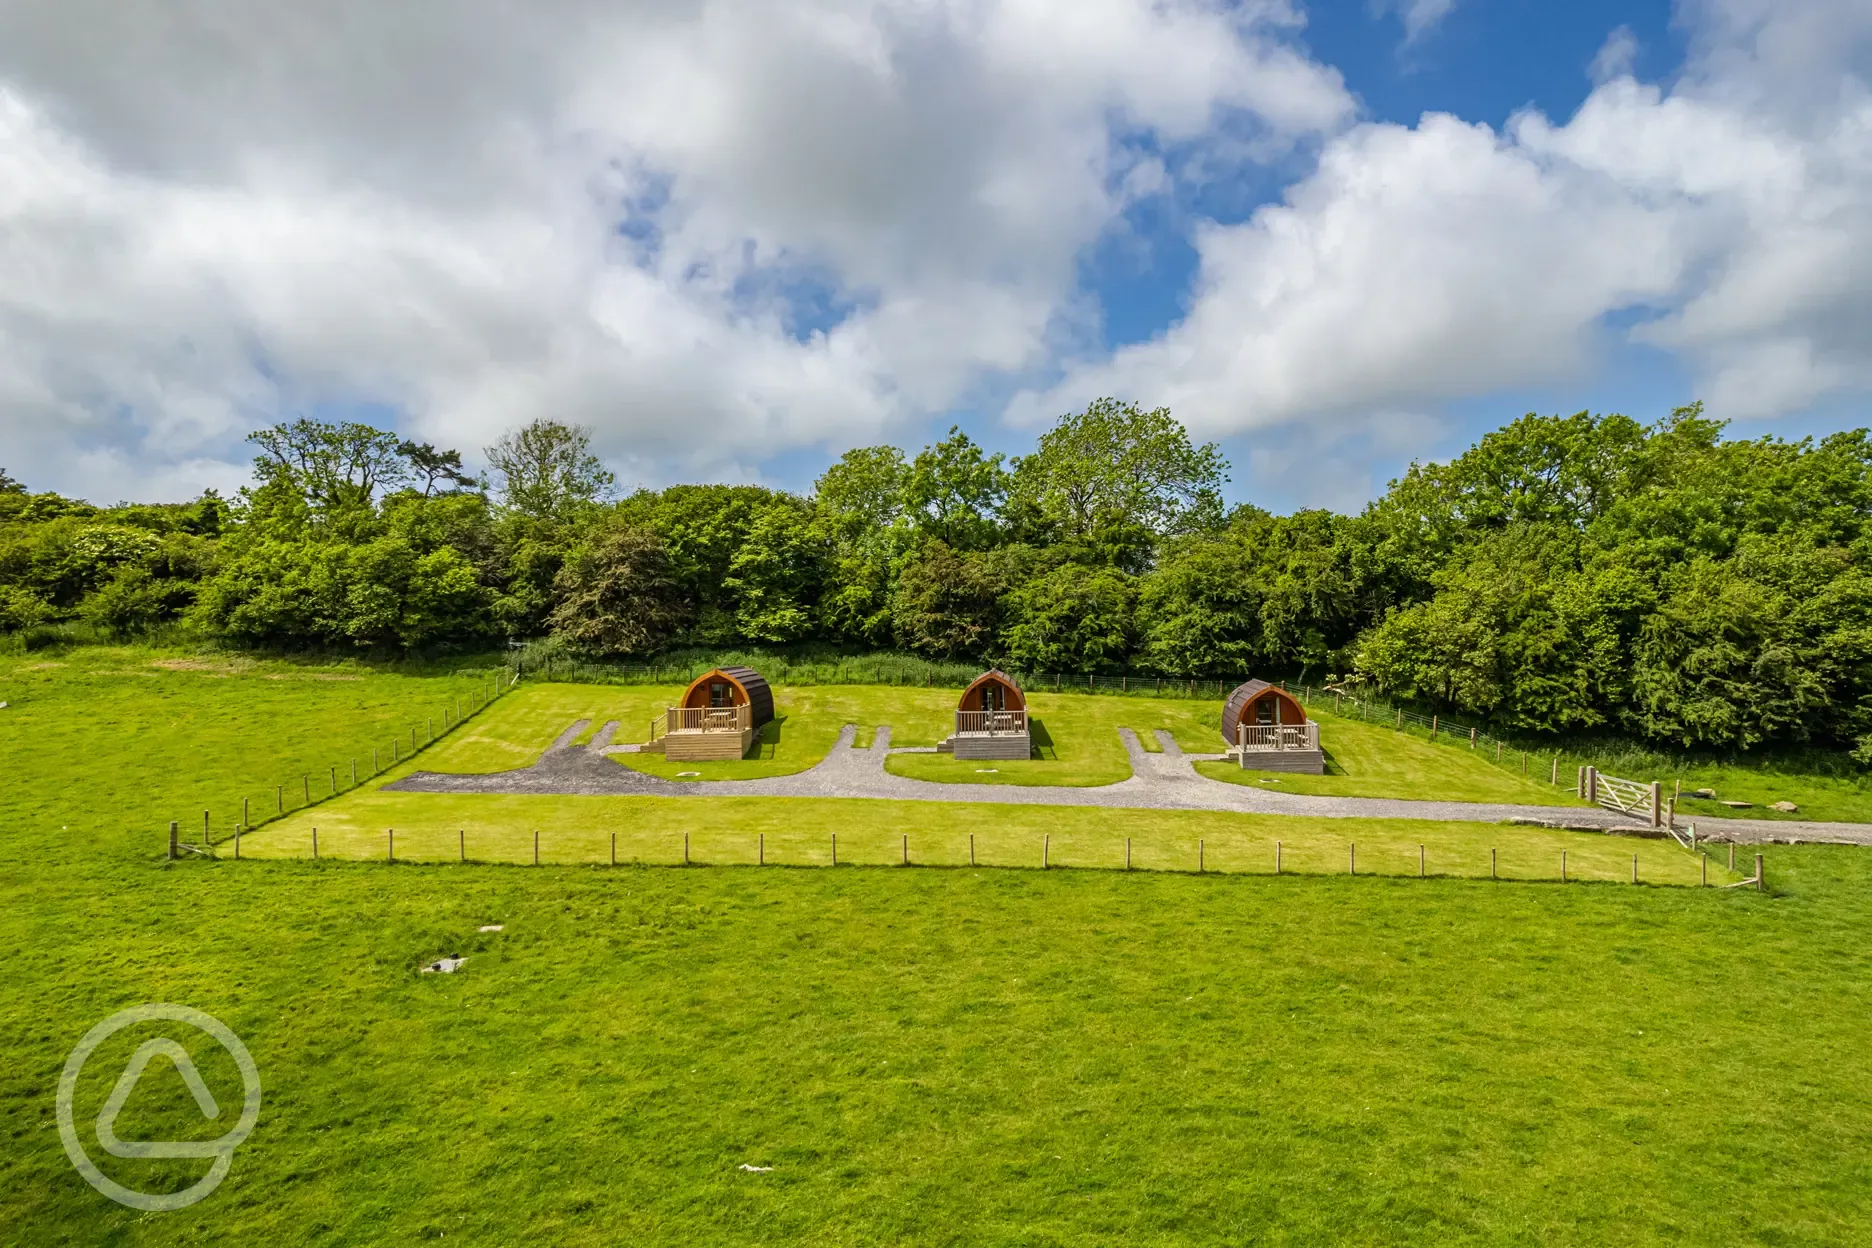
column 218, row 667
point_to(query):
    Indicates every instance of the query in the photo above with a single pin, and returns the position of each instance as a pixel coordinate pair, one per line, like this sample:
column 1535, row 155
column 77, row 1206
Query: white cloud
column 477, row 213
column 1730, row 217
column 1418, row 16
column 1616, row 56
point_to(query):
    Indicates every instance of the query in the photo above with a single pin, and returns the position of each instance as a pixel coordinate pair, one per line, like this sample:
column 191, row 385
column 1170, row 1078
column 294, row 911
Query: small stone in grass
column 444, row 966
column 490, row 927
column 1786, row 808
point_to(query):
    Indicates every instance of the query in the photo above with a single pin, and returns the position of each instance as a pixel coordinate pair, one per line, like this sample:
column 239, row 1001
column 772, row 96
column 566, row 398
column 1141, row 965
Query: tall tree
column 547, row 471
column 1114, row 475
column 430, row 466
column 954, row 492
column 8, row 485
column 331, row 467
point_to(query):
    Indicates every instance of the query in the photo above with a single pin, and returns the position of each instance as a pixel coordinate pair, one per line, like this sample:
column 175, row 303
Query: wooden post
column 1433, row 727
column 971, row 849
column 461, row 844
column 354, row 773
column 1524, row 764
column 1579, row 786
column 307, row 782
column 172, row 840
column 1705, row 862
column 1498, row 757
column 429, row 726
column 760, row 853
column 1759, row 887
column 1657, row 804
column 1199, row 855
column 374, row 767
column 685, row 849
column 1554, row 779
column 1351, row 857
column 1634, row 868
column 1491, row 865
column 1277, row 857
column 396, row 750
column 390, row 842
column 1420, row 862
column 208, row 840
column 279, row 798
column 536, row 847
column 1732, row 855
column 1046, row 851
column 334, row 779
column 835, row 848
column 244, row 816
column 237, row 832
column 1472, row 733
column 314, row 844
column 1592, row 783
column 1563, row 866
column 614, row 849
column 1400, row 719
column 1127, row 853
column 906, row 849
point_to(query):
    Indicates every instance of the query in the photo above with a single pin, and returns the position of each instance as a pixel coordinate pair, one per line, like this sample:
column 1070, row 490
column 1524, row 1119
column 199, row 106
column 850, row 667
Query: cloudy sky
column 739, row 236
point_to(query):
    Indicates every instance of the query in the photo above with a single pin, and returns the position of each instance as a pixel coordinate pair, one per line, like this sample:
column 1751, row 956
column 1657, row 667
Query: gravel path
column 1159, row 781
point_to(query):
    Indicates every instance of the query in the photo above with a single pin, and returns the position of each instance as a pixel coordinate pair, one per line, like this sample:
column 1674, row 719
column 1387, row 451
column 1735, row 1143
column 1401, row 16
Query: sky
column 737, row 239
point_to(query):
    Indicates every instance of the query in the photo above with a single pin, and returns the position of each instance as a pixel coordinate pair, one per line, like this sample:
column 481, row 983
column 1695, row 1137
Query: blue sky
column 737, row 238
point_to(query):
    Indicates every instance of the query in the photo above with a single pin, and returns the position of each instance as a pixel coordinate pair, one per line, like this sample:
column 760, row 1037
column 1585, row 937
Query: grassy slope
column 1076, row 737
column 928, row 1057
column 1368, row 760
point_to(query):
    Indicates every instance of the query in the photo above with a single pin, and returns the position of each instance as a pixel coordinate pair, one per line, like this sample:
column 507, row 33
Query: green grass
column 1002, row 1057
column 1076, row 739
column 1371, row 760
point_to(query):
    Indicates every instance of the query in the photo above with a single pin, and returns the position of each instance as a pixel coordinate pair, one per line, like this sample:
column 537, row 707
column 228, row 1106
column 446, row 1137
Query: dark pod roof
column 751, row 682
column 1245, row 694
column 1016, row 699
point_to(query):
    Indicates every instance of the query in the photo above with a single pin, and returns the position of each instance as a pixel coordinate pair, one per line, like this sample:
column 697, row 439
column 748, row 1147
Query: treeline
column 1566, row 574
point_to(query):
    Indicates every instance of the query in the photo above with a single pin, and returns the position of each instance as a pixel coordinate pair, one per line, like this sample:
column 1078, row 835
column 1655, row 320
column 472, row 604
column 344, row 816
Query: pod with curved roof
column 991, row 720
column 719, row 716
column 1268, row 729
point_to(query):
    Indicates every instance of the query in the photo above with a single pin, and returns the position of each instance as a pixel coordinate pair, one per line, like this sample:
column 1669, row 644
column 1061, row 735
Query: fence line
column 301, row 793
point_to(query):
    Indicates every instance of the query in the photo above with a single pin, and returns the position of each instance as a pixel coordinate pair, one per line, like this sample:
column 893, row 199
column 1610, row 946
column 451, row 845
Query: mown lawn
column 1371, row 760
column 1068, row 1057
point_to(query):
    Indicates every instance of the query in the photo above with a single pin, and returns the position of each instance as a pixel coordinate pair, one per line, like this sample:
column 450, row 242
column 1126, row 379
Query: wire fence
column 256, row 805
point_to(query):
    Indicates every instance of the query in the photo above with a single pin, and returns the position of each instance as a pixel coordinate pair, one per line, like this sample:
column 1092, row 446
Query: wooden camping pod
column 1257, row 702
column 993, row 690
column 744, row 687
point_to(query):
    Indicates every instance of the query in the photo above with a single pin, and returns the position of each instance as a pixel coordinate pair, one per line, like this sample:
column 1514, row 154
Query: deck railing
column 991, row 723
column 1278, row 736
column 709, row 719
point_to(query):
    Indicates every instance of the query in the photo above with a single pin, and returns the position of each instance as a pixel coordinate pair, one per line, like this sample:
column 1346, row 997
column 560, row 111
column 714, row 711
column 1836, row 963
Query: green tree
column 330, row 466
column 776, row 573
column 547, row 471
column 617, row 594
column 1073, row 619
column 954, row 491
column 947, row 603
column 431, row 466
column 1118, row 478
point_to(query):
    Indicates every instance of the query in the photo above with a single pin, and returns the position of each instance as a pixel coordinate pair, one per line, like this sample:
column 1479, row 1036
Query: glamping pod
column 1267, row 729
column 991, row 720
column 720, row 716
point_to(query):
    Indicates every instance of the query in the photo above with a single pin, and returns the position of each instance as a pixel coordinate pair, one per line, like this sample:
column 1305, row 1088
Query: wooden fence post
column 1592, row 783
column 1491, row 866
column 906, row 849
column 1277, row 857
column 354, row 773
column 835, row 847
column 244, row 816
column 1400, row 719
column 1127, row 852
column 1199, row 855
column 208, row 841
column 334, row 779
column 374, row 766
column 390, row 843
column 1351, row 857
column 1554, row 779
column 1420, row 862
column 237, row 832
column 1634, row 868
column 971, row 849
column 1705, row 862
column 461, row 844
column 1732, row 855
column 1046, row 851
column 536, row 847
column 614, row 849
column 1472, row 733
column 279, row 797
column 1759, row 885
column 307, row 782
column 760, row 853
column 1433, row 727
column 172, row 840
column 1563, row 866
column 685, row 849
column 314, row 844
column 1657, row 804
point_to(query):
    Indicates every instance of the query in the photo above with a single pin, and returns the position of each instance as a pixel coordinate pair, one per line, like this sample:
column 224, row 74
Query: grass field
column 1370, row 760
column 923, row 1056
